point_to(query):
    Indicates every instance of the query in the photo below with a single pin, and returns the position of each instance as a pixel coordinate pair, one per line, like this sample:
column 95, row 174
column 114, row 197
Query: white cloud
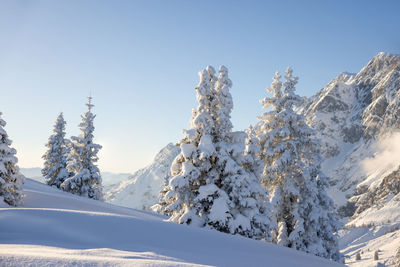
column 386, row 158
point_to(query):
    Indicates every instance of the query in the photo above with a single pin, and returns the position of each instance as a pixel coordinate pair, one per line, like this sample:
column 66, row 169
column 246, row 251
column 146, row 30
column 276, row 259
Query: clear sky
column 140, row 60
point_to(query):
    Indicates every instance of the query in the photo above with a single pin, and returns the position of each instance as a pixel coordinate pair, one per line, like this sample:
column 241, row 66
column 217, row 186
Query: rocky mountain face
column 387, row 189
column 351, row 114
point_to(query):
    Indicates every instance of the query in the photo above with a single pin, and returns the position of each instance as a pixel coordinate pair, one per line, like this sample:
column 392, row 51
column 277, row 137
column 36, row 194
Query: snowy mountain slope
column 54, row 228
column 381, row 200
column 350, row 115
column 378, row 215
column 389, row 210
column 141, row 190
column 384, row 238
column 111, row 180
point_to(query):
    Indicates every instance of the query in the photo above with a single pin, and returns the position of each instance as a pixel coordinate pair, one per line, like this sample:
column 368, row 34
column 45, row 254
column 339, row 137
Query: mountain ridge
column 141, row 189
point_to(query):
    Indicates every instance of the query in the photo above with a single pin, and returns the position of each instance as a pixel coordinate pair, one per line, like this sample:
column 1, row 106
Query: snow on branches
column 303, row 211
column 86, row 180
column 10, row 177
column 55, row 164
column 213, row 182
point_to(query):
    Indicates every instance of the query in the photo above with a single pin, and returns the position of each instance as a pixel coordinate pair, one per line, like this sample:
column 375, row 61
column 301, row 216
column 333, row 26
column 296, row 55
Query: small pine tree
column 252, row 161
column 397, row 257
column 55, row 165
column 209, row 187
column 10, row 177
column 292, row 173
column 161, row 206
column 222, row 106
column 358, row 256
column 376, row 255
column 86, row 180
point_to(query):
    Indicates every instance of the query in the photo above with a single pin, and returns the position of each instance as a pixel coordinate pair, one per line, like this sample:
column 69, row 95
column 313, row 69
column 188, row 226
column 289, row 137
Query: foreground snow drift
column 56, row 228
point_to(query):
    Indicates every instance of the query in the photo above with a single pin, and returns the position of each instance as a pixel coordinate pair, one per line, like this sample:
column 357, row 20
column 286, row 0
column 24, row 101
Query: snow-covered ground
column 110, row 180
column 54, row 228
column 384, row 238
column 376, row 228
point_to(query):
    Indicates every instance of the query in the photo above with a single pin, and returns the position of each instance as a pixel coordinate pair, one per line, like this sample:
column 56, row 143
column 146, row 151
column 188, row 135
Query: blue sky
column 140, row 60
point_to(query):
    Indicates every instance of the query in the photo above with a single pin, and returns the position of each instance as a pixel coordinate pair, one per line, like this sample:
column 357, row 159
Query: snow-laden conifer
column 10, row 177
column 208, row 185
column 55, row 164
column 223, row 105
column 86, row 180
column 292, row 173
column 252, row 161
column 397, row 257
column 160, row 206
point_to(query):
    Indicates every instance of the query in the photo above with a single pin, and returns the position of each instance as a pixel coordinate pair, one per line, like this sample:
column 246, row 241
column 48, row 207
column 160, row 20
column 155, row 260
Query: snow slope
column 110, row 179
column 54, row 228
column 33, row 173
column 384, row 238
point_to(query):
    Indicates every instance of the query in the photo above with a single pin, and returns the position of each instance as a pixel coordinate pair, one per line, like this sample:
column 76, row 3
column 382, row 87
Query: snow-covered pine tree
column 161, row 205
column 303, row 211
column 55, row 164
column 208, row 186
column 86, row 180
column 397, row 257
column 358, row 256
column 222, row 106
column 10, row 177
column 376, row 255
column 240, row 179
column 193, row 167
column 252, row 162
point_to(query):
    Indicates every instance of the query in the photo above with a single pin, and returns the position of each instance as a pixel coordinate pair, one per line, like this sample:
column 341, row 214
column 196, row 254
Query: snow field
column 55, row 228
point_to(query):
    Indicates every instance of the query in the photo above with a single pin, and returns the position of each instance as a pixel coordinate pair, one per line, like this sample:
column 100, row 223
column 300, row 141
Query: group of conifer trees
column 70, row 164
column 264, row 183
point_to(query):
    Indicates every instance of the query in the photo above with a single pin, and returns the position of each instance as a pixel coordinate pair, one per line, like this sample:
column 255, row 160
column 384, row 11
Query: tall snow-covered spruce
column 303, row 211
column 55, row 165
column 86, row 180
column 10, row 177
column 209, row 187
